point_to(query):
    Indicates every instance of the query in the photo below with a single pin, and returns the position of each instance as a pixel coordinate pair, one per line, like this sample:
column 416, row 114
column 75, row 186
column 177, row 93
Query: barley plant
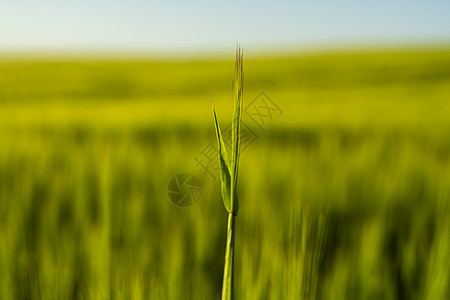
column 229, row 175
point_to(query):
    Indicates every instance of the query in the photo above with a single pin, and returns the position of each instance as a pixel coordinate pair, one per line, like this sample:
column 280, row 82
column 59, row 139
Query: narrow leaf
column 225, row 177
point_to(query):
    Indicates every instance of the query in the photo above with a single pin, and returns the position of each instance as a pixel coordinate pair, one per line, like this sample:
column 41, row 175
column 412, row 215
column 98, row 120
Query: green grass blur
column 346, row 195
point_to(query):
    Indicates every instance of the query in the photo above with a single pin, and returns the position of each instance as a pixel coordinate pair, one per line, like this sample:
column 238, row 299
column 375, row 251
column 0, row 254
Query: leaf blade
column 225, row 176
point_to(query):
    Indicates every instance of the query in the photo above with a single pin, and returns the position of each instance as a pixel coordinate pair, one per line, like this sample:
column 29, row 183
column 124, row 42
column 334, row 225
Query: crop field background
column 344, row 192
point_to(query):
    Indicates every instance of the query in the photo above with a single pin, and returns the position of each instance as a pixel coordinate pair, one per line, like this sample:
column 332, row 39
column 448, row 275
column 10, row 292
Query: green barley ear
column 238, row 86
column 229, row 179
column 224, row 169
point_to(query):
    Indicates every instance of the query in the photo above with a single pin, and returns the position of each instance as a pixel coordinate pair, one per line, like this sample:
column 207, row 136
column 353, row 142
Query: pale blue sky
column 177, row 26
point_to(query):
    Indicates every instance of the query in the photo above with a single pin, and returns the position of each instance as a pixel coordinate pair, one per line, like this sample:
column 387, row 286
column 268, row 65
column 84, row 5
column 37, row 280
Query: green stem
column 228, row 270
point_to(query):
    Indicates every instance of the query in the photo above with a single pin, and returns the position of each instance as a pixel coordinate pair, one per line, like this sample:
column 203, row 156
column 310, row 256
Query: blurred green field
column 346, row 195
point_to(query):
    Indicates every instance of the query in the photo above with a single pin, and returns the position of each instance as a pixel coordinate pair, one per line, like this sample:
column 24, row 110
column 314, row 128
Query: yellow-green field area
column 344, row 187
